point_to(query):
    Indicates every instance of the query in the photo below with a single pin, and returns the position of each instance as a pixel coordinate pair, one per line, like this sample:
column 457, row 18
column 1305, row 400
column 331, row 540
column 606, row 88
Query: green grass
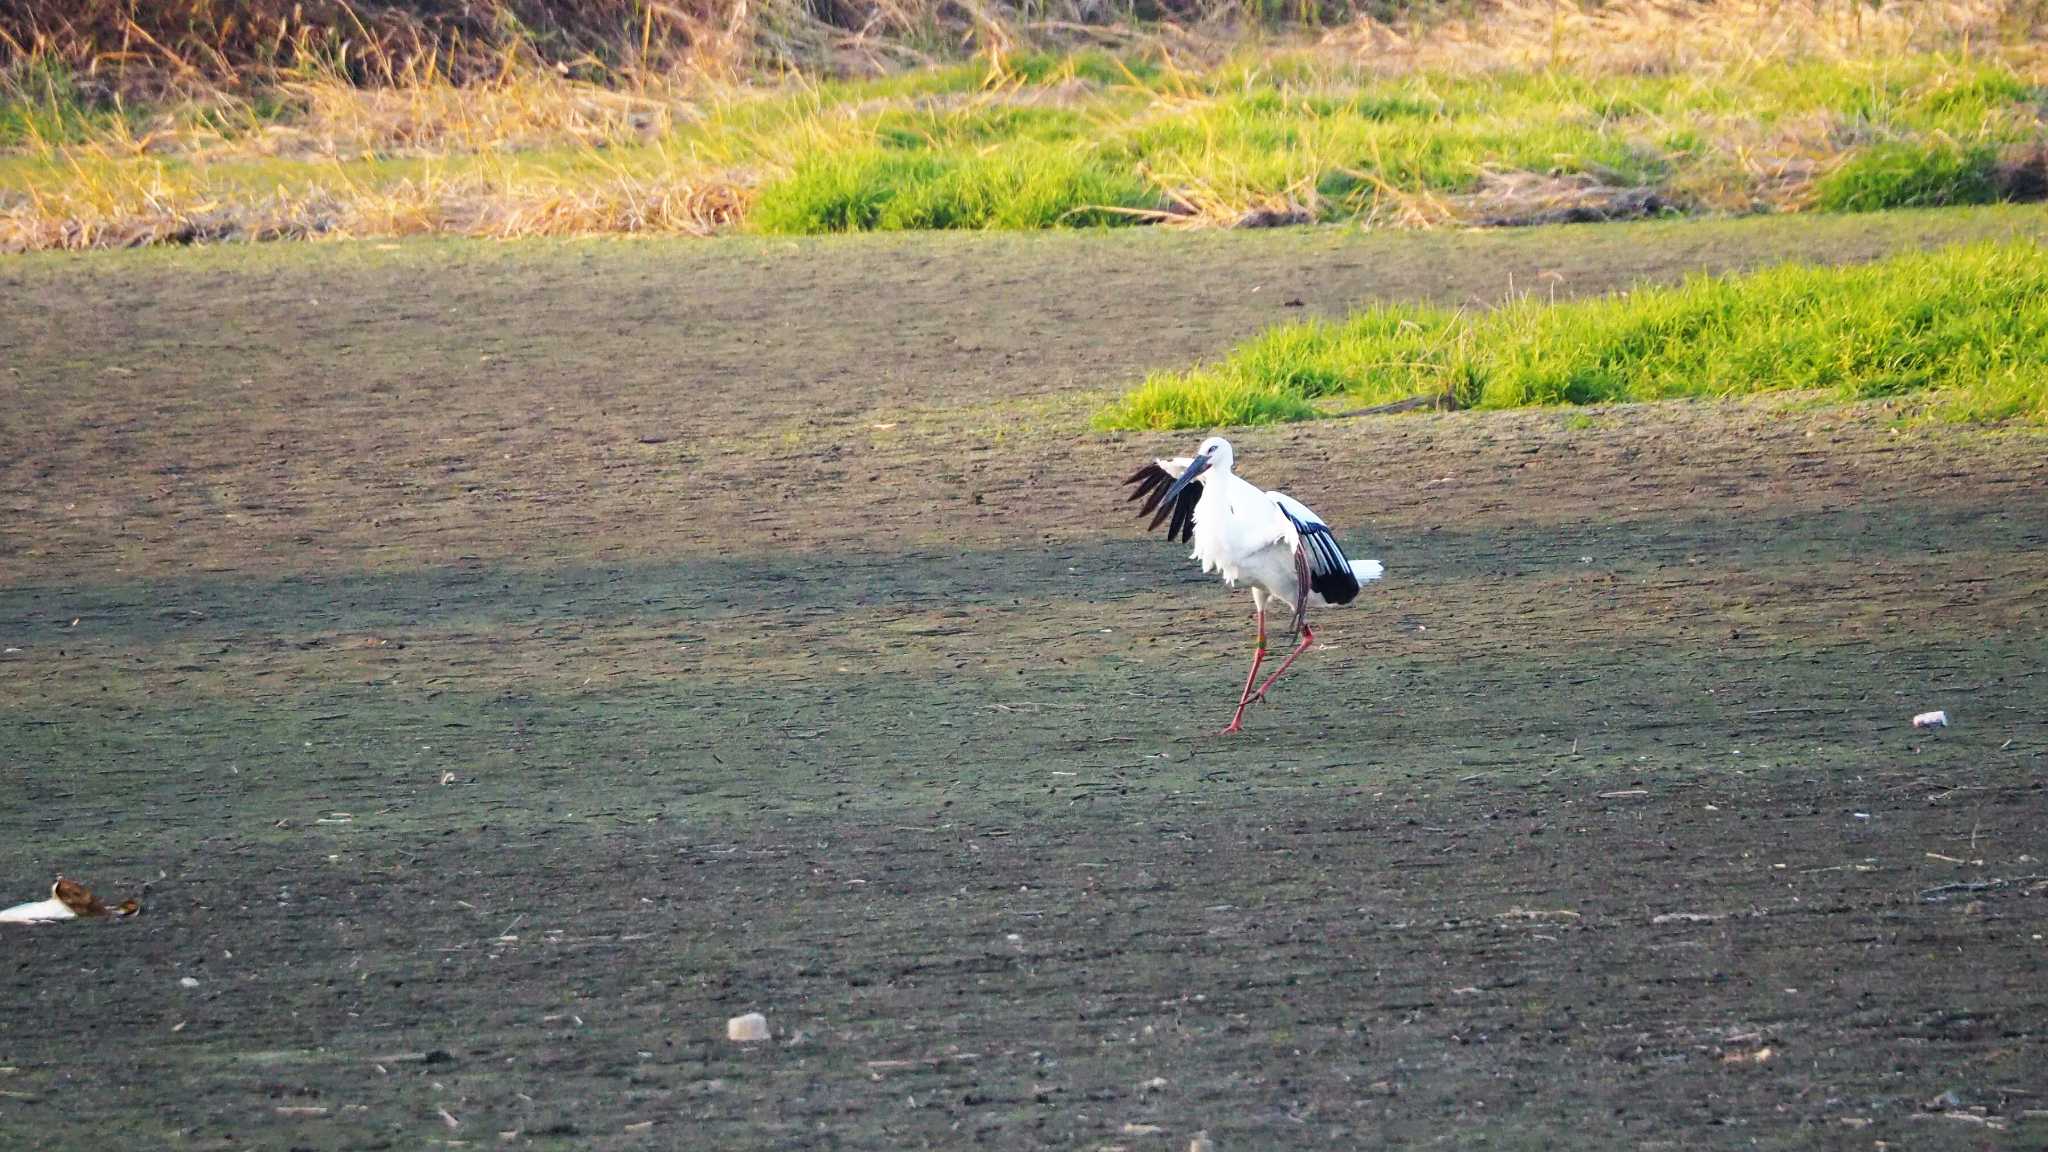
column 1021, row 188
column 1901, row 175
column 43, row 106
column 1964, row 327
column 1082, row 140
column 1337, row 144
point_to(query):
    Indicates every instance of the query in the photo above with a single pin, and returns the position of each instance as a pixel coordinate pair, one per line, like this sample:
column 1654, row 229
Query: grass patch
column 1041, row 187
column 1964, row 327
column 1296, row 136
column 1917, row 175
column 42, row 106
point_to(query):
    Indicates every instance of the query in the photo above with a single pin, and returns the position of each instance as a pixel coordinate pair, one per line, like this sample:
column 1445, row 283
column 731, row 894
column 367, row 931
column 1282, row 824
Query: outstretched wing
column 1330, row 572
column 1152, row 482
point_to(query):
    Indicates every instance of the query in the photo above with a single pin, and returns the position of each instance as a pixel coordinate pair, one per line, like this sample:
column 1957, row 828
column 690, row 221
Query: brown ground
column 507, row 663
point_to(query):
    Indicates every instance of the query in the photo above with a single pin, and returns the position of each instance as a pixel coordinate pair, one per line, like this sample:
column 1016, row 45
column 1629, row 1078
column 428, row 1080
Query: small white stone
column 1931, row 720
column 188, row 982
column 749, row 1029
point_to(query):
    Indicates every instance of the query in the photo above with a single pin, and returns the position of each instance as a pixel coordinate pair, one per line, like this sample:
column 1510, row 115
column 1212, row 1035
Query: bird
column 1268, row 540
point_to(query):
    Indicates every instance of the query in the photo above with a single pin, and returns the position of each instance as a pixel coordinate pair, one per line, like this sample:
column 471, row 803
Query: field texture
column 503, row 664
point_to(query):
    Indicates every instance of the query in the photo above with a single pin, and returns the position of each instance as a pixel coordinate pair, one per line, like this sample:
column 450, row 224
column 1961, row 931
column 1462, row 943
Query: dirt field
column 506, row 663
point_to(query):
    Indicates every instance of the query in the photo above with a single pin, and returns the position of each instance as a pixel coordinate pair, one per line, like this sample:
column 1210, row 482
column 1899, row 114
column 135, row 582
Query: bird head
column 1216, row 453
column 1212, row 453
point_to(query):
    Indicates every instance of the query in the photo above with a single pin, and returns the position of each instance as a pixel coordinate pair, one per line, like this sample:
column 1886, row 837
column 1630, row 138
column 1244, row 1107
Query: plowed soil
column 501, row 665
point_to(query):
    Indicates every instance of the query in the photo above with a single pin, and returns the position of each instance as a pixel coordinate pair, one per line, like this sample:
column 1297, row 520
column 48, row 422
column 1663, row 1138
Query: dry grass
column 152, row 45
column 1541, row 112
column 1669, row 37
column 141, row 205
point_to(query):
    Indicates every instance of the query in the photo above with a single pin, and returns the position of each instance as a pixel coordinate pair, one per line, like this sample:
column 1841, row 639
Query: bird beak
column 1199, row 465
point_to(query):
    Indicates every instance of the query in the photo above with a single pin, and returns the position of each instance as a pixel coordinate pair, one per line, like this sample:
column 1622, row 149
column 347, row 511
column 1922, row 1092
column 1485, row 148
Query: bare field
column 506, row 663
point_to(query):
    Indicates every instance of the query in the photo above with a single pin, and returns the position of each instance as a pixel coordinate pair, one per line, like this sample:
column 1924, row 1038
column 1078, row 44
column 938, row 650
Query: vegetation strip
column 1967, row 326
column 1639, row 112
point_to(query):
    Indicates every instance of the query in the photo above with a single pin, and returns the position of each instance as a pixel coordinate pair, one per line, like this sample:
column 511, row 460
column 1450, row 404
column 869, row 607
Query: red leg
column 1308, row 637
column 1244, row 697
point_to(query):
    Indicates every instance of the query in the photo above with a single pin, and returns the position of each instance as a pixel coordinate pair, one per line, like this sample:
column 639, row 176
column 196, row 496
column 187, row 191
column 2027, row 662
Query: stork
column 1266, row 539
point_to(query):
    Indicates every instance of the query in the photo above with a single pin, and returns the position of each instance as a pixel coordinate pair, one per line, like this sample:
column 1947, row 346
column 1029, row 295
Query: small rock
column 1931, row 720
column 1155, row 1084
column 749, row 1029
column 188, row 982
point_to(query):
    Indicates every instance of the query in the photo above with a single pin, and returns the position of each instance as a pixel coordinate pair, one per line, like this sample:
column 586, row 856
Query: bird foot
column 1235, row 726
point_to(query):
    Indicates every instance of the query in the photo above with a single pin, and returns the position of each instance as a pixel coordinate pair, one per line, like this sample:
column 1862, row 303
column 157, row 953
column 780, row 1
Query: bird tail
column 1367, row 571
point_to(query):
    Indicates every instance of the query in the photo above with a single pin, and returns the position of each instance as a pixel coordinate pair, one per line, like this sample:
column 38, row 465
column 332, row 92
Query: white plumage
column 1250, row 536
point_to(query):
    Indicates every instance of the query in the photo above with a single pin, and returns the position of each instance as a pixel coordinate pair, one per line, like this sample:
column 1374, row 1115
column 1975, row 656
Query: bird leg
column 1302, row 586
column 1308, row 637
column 1258, row 657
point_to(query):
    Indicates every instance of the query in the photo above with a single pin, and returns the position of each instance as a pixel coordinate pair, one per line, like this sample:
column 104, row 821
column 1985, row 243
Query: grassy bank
column 1617, row 111
column 1965, row 327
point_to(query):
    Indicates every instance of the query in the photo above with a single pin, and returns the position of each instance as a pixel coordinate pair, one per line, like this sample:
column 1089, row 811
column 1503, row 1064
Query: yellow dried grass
column 1655, row 37
column 144, row 205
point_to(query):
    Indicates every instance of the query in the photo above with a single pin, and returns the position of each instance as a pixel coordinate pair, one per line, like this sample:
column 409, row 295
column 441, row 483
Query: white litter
column 40, row 912
column 749, row 1029
column 1931, row 720
column 69, row 900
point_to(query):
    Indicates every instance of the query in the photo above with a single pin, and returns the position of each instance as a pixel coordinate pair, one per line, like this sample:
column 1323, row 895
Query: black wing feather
column 1330, row 572
column 1152, row 482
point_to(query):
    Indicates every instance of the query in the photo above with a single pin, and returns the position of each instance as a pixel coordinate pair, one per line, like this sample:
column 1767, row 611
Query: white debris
column 749, row 1029
column 1931, row 720
column 69, row 900
column 40, row 912
column 188, row 982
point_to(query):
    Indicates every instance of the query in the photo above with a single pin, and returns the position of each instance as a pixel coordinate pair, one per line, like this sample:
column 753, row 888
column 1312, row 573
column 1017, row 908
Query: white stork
column 1267, row 539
